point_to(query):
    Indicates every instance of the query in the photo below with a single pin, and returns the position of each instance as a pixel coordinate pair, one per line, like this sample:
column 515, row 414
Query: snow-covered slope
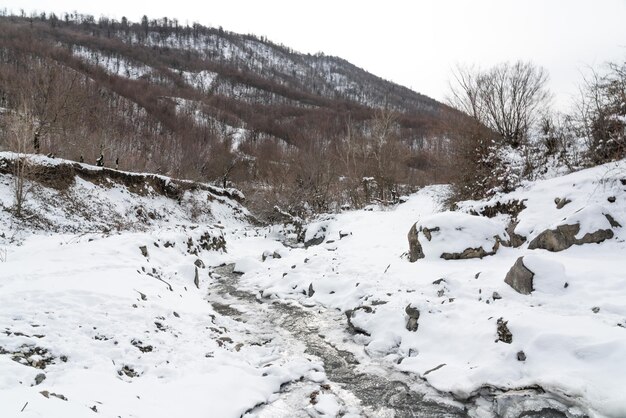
column 102, row 301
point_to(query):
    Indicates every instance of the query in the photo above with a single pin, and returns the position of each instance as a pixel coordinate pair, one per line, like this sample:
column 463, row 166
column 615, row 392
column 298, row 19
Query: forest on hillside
column 306, row 133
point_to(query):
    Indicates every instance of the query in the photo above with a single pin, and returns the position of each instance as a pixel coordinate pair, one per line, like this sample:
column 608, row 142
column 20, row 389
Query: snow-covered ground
column 113, row 316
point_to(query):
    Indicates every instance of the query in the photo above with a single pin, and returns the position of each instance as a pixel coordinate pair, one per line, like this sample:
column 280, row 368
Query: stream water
column 385, row 393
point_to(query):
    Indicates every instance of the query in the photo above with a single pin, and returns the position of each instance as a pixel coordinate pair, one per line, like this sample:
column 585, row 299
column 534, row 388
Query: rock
column 521, row 356
column 439, row 281
column 595, row 309
column 196, row 279
column 560, row 203
column 350, row 313
column 144, row 250
column 199, row 263
column 315, row 234
column 270, row 254
column 467, row 253
column 428, row 232
column 311, row 292
column 39, row 378
column 611, row 199
column 520, row 277
column 564, row 236
column 612, row 221
column 515, row 240
column 413, row 317
column 496, row 296
column 415, row 248
column 342, row 235
column 504, row 334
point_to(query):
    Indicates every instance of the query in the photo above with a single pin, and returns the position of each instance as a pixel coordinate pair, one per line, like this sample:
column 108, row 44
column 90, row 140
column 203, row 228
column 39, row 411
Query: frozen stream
column 365, row 387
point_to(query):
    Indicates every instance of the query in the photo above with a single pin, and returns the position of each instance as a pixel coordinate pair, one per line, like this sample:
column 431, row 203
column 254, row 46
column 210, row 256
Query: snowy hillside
column 138, row 296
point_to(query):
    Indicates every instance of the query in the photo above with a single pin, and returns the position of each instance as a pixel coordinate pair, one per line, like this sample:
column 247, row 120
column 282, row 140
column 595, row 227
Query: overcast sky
column 413, row 43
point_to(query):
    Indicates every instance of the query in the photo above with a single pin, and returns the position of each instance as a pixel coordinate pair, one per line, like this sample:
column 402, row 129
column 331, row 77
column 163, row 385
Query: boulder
column 564, row 236
column 520, row 277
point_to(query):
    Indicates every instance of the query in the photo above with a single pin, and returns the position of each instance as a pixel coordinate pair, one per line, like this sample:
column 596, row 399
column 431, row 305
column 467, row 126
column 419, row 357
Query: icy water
column 386, row 393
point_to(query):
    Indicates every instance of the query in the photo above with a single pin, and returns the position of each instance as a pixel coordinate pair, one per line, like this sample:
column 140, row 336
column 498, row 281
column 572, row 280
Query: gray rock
column 521, row 356
column 504, row 334
column 467, row 254
column 144, row 250
column 612, row 221
column 611, row 199
column 413, row 317
column 39, row 378
column 564, row 236
column 199, row 263
column 196, row 279
column 515, row 240
column 520, row 278
column 311, row 291
column 415, row 248
column 496, row 296
column 560, row 203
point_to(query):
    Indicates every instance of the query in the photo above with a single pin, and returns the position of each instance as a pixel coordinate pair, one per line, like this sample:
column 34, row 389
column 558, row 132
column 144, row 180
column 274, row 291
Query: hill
column 209, row 104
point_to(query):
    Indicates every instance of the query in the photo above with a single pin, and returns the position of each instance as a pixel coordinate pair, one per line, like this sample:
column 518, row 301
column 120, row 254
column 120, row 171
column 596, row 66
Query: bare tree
column 19, row 129
column 507, row 98
column 601, row 112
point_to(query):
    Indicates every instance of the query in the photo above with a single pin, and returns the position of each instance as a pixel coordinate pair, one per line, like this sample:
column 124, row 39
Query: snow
column 83, row 291
column 571, row 328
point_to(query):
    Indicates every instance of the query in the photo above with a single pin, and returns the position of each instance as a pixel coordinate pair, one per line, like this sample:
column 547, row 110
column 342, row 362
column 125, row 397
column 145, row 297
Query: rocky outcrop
column 564, row 236
column 520, row 277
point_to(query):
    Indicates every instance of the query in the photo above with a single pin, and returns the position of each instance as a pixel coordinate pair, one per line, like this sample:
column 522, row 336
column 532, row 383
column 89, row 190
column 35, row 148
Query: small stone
column 39, row 378
column 560, row 203
column 504, row 334
column 521, row 356
column 595, row 309
column 176, row 314
column 199, row 263
column 611, row 199
column 439, row 281
column 196, row 279
column 144, row 250
column 413, row 317
column 496, row 296
column 566, row 285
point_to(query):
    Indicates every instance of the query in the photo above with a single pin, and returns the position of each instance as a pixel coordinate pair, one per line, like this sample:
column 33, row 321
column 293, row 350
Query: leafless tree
column 507, row 98
column 19, row 128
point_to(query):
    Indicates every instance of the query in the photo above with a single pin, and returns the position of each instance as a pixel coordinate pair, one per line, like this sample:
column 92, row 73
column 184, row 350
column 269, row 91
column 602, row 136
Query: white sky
column 413, row 43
